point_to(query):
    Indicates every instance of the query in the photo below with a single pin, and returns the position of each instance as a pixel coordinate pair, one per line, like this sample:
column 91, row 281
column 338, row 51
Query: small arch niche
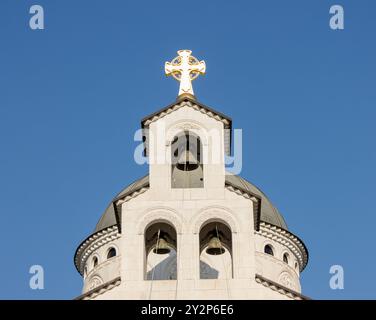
column 286, row 258
column 160, row 252
column 186, row 161
column 216, row 251
column 111, row 253
column 95, row 261
column 269, row 250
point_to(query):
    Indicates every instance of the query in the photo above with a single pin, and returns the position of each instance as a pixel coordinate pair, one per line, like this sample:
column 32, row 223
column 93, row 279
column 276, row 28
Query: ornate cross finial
column 185, row 68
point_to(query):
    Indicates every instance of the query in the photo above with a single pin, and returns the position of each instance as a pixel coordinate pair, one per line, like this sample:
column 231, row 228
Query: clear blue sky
column 72, row 95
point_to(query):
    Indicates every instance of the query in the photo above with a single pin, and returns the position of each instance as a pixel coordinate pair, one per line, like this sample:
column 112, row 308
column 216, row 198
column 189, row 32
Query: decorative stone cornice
column 188, row 103
column 279, row 288
column 133, row 195
column 242, row 193
column 287, row 239
column 92, row 243
column 99, row 290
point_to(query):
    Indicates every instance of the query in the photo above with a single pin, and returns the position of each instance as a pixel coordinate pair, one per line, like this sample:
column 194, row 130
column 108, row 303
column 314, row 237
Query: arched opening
column 286, row 258
column 95, row 261
column 160, row 252
column 269, row 250
column 216, row 251
column 186, row 161
column 111, row 253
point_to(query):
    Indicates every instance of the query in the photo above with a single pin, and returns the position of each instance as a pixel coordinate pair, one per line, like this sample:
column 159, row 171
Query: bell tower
column 188, row 229
column 186, row 147
column 186, row 142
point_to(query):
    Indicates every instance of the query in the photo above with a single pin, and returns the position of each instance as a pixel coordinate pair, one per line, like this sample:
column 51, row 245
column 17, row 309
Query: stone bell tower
column 188, row 229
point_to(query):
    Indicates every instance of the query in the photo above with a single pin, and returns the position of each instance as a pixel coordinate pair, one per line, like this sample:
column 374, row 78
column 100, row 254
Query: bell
column 161, row 247
column 187, row 156
column 215, row 247
column 187, row 161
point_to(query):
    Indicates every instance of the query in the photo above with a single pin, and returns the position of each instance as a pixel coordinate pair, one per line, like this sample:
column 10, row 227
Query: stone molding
column 280, row 288
column 287, row 239
column 187, row 125
column 128, row 197
column 259, row 279
column 194, row 106
column 91, row 244
column 213, row 213
column 99, row 290
column 160, row 214
column 242, row 193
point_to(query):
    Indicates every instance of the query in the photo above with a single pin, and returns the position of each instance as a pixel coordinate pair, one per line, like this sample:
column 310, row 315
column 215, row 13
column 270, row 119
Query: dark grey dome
column 269, row 213
column 108, row 218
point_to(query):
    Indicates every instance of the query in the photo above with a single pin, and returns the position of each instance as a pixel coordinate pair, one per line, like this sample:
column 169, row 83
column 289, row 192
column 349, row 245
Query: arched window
column 269, row 250
column 286, row 258
column 95, row 262
column 160, row 252
column 187, row 168
column 215, row 251
column 85, row 271
column 296, row 266
column 111, row 253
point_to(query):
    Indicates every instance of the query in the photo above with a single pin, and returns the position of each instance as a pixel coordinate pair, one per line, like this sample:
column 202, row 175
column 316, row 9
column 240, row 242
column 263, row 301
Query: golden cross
column 185, row 68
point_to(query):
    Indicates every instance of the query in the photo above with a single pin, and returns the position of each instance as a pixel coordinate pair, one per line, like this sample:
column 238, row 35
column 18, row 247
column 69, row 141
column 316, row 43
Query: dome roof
column 108, row 218
column 269, row 213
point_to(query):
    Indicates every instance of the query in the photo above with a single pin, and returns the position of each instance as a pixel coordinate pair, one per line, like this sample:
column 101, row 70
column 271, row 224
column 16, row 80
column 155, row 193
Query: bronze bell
column 161, row 247
column 187, row 156
column 187, row 161
column 215, row 247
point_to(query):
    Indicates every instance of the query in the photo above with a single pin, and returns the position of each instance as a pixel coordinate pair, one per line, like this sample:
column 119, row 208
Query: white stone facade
column 244, row 271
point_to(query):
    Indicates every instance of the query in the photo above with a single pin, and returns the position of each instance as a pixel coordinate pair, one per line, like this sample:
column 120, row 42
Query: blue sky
column 72, row 96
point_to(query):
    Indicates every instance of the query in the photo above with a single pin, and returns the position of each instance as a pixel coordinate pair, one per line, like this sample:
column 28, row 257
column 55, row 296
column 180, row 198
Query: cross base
column 185, row 95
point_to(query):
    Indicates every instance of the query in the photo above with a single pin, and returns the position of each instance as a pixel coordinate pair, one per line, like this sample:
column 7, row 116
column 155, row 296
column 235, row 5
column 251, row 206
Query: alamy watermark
column 36, row 281
column 337, row 280
column 36, row 21
column 167, row 146
column 337, row 20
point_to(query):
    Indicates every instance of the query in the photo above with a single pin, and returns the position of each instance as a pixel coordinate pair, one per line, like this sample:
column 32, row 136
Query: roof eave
column 186, row 98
